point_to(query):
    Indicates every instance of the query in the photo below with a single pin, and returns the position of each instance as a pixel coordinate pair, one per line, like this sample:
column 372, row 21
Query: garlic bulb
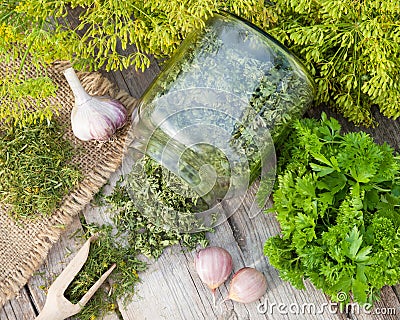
column 93, row 118
column 213, row 265
column 247, row 285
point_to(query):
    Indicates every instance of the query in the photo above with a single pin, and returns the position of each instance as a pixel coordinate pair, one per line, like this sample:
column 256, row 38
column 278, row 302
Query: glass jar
column 213, row 115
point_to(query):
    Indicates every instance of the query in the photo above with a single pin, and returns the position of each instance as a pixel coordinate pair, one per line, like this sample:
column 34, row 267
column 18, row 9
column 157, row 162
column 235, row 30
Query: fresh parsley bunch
column 338, row 204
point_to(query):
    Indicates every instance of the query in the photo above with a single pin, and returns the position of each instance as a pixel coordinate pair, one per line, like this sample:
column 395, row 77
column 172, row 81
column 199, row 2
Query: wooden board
column 59, row 257
column 20, row 308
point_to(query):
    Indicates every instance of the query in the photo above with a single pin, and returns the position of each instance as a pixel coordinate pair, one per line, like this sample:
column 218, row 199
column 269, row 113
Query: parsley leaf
column 337, row 199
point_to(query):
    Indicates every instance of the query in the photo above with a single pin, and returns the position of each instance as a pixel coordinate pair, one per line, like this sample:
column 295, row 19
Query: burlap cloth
column 25, row 244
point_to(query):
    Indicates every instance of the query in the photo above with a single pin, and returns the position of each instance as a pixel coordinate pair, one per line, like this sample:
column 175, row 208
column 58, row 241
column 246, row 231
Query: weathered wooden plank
column 19, row 308
column 58, row 258
column 386, row 130
column 171, row 289
column 111, row 316
column 134, row 81
column 397, row 291
column 164, row 277
column 254, row 230
column 387, row 308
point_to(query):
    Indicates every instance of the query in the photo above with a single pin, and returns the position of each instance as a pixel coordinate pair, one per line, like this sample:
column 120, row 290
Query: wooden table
column 170, row 288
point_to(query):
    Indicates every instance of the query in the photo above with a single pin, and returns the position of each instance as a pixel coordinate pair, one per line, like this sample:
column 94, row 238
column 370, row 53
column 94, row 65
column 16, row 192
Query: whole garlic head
column 93, row 117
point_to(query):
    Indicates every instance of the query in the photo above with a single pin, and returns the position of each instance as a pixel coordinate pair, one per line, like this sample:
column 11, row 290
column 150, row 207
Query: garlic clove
column 213, row 265
column 247, row 285
column 93, row 118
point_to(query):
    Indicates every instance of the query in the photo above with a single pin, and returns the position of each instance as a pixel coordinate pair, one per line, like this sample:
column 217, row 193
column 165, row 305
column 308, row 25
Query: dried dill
column 35, row 169
column 103, row 253
column 138, row 229
column 163, row 197
column 131, row 236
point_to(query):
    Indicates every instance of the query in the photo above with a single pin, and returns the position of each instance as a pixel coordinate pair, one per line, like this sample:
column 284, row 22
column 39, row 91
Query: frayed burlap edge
column 80, row 196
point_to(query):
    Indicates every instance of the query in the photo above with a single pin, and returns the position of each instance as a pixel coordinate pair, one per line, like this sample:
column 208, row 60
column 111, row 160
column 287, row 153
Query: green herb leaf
column 362, row 255
column 355, row 241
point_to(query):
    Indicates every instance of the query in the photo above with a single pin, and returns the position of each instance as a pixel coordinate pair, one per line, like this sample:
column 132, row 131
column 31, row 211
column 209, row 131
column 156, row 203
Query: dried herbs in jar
column 214, row 114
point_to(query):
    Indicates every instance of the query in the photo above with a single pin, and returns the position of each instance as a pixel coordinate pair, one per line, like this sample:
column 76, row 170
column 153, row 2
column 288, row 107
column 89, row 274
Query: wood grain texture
column 58, row 258
column 388, row 308
column 134, row 81
column 19, row 308
column 397, row 291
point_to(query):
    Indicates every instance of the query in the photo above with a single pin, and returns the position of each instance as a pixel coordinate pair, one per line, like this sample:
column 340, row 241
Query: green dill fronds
column 25, row 100
column 104, row 30
column 352, row 49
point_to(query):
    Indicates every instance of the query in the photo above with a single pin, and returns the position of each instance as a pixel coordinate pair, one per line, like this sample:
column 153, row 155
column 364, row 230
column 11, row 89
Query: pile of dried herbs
column 35, row 169
column 133, row 235
column 164, row 198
